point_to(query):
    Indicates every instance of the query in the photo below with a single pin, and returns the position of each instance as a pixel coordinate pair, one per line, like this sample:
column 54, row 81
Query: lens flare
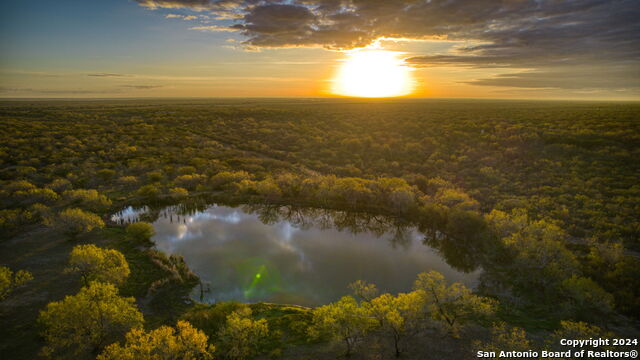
column 250, row 291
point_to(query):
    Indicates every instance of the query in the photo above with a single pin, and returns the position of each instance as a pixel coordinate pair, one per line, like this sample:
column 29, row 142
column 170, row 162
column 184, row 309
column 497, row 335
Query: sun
column 373, row 74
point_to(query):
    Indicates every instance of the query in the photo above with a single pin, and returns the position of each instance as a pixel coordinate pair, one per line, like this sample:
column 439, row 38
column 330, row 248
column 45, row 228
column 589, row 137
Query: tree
column 617, row 273
column 140, row 231
column 586, row 300
column 190, row 181
column 452, row 305
column 396, row 315
column 343, row 320
column 364, row 290
column 127, row 181
column 148, row 191
column 84, row 323
column 26, row 193
column 504, row 338
column 451, row 197
column 575, row 331
column 106, row 174
column 73, row 222
column 10, row 280
column 224, row 179
column 503, row 224
column 465, row 226
column 154, row 176
column 59, row 185
column 43, row 195
column 87, row 198
column 182, row 343
column 241, row 335
column 541, row 261
column 269, row 189
column 178, row 192
column 96, row 264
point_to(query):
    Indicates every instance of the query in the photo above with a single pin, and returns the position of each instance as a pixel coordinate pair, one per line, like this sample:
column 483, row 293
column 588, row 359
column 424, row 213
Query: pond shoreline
column 283, row 251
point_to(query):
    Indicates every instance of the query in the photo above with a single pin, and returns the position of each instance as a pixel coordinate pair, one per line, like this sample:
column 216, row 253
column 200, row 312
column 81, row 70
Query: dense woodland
column 542, row 196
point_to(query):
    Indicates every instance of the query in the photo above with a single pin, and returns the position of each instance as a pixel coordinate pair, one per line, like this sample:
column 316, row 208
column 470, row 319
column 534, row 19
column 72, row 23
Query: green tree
column 10, row 280
column 190, row 181
column 241, row 335
column 148, row 191
column 96, row 264
column 575, row 331
column 269, row 189
column 397, row 316
column 618, row 273
column 127, row 182
column 59, row 185
column 82, row 324
column 364, row 290
column 504, row 338
column 140, row 231
column 182, row 343
column 540, row 259
column 224, row 179
column 44, row 195
column 87, row 198
column 179, row 192
column 503, row 224
column 586, row 299
column 344, row 320
column 73, row 222
column 106, row 174
column 464, row 225
column 452, row 305
column 154, row 176
column 451, row 197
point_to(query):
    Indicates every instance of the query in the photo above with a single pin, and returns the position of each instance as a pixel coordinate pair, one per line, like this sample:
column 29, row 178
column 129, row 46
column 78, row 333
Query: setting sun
column 373, row 73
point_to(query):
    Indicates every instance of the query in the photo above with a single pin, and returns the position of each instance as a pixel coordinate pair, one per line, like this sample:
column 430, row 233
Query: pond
column 293, row 256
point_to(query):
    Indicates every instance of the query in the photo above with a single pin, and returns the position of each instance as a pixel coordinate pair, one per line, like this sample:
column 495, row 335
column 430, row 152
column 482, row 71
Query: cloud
column 213, row 28
column 57, row 91
column 107, row 75
column 569, row 79
column 546, row 37
column 183, row 17
column 143, row 87
column 29, row 73
column 198, row 5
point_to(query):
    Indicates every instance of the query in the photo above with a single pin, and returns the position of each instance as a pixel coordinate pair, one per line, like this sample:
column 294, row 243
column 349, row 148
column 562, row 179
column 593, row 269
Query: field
column 542, row 196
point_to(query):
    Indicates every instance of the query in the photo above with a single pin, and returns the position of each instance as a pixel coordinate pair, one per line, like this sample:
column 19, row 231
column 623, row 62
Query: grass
column 160, row 307
column 45, row 253
column 143, row 270
column 289, row 321
column 287, row 324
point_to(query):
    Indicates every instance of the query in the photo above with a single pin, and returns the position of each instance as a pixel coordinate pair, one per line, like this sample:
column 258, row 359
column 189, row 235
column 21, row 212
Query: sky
column 539, row 49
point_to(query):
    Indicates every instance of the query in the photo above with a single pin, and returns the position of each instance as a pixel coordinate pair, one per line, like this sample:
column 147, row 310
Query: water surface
column 295, row 256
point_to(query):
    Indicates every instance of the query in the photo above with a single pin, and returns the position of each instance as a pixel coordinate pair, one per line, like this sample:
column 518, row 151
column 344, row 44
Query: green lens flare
column 250, row 291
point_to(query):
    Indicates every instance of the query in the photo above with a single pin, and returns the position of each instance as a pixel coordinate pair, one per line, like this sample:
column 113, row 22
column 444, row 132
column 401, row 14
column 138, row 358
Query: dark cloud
column 596, row 78
column 546, row 36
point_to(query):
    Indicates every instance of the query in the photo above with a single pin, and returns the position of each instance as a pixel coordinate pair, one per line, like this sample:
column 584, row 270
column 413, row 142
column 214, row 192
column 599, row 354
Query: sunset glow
column 373, row 73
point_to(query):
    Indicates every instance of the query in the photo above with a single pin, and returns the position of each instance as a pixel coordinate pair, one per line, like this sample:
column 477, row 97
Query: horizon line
column 410, row 98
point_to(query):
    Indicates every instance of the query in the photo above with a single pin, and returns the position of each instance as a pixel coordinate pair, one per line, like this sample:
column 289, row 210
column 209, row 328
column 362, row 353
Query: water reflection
column 294, row 255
